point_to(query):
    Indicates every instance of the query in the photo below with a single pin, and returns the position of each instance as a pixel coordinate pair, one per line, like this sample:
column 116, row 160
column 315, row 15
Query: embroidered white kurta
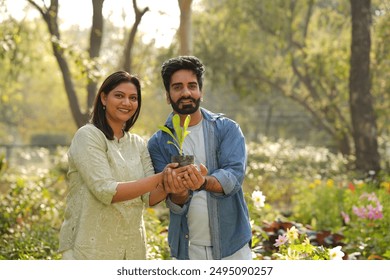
column 93, row 227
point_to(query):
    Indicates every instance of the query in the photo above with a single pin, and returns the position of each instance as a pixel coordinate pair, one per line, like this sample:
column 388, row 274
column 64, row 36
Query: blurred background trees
column 280, row 68
column 308, row 82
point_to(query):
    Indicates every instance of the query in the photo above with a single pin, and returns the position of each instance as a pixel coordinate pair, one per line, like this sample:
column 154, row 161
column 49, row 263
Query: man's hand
column 194, row 178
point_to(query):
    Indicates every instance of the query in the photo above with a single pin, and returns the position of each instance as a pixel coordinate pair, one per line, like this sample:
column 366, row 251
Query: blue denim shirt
column 226, row 160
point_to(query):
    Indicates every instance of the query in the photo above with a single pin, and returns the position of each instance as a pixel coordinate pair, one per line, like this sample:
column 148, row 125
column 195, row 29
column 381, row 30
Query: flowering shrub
column 296, row 246
column 286, row 240
column 356, row 209
column 286, row 186
column 366, row 227
column 368, row 211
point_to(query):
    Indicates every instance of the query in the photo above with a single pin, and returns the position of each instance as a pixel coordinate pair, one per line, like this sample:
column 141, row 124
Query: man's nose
column 186, row 92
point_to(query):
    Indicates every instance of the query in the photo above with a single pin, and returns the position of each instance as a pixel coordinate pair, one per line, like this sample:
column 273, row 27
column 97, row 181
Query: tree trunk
column 131, row 38
column 360, row 99
column 50, row 15
column 185, row 28
column 95, row 44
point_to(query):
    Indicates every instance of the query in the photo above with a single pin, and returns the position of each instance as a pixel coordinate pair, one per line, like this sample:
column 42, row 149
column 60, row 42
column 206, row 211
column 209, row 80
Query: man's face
column 184, row 93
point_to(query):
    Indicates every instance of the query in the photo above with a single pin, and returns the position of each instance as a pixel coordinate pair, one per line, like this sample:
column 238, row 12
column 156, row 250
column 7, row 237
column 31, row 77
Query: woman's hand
column 173, row 179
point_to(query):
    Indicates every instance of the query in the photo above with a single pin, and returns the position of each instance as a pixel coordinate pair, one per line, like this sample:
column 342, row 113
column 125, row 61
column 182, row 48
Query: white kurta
column 93, row 228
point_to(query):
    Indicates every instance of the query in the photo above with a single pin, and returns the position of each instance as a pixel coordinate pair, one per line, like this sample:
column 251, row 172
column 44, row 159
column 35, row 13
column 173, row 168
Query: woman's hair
column 98, row 115
column 172, row 65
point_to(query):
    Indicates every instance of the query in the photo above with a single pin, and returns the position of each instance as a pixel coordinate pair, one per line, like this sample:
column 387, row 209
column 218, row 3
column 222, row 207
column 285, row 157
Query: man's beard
column 187, row 109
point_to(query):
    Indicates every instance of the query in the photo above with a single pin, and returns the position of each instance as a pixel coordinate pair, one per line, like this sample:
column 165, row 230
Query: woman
column 111, row 177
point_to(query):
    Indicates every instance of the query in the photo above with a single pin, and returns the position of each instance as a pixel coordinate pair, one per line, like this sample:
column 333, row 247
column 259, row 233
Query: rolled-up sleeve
column 232, row 162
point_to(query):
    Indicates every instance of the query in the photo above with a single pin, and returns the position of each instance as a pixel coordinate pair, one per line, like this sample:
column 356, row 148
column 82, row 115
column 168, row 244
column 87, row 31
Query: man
column 208, row 215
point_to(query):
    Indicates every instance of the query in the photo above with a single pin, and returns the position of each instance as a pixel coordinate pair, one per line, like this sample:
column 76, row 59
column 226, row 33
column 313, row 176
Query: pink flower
column 359, row 211
column 281, row 240
column 346, row 217
column 369, row 212
column 374, row 213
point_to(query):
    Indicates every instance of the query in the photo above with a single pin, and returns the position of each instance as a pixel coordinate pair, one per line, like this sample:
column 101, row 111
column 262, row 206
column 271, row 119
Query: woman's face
column 121, row 103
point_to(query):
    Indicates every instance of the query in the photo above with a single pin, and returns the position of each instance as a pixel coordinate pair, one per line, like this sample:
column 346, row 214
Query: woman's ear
column 103, row 98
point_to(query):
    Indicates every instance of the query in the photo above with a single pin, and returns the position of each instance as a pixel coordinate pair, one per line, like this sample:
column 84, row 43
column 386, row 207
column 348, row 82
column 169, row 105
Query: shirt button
column 186, row 236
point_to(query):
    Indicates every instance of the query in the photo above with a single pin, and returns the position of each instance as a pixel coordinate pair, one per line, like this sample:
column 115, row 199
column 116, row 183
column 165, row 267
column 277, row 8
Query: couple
column 114, row 173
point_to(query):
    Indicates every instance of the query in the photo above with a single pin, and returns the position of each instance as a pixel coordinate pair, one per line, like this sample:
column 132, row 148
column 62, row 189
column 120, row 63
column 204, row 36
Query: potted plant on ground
column 178, row 136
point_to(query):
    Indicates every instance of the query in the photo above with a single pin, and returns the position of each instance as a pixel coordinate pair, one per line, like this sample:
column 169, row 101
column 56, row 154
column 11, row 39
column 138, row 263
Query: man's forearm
column 213, row 185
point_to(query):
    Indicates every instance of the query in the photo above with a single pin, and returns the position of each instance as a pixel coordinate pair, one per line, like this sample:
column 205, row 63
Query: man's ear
column 167, row 98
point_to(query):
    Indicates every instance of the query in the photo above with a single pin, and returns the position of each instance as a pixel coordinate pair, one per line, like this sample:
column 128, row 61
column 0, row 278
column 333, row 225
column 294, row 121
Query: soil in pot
column 183, row 160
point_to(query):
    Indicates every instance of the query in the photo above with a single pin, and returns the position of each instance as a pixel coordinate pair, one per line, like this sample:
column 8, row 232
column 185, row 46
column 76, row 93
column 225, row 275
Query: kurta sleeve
column 146, row 164
column 88, row 154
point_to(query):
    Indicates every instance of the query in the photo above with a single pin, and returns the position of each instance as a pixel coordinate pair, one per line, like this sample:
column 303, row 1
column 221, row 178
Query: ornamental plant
column 295, row 246
column 367, row 224
column 180, row 132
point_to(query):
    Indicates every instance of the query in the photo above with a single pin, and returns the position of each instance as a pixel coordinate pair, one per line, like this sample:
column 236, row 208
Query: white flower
column 258, row 199
column 292, row 233
column 336, row 253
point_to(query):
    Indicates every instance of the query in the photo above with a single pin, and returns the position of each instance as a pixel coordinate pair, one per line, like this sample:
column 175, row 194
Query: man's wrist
column 204, row 185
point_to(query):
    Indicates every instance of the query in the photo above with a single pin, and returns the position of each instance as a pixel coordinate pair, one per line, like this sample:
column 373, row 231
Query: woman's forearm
column 130, row 190
column 157, row 195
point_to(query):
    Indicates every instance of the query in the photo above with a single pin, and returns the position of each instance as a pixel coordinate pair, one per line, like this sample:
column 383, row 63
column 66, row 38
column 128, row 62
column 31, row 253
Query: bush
column 30, row 216
column 294, row 187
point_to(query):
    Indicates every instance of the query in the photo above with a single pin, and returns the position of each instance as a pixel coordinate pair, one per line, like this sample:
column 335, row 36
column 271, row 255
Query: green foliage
column 313, row 187
column 297, row 184
column 276, row 167
column 318, row 203
column 295, row 246
column 3, row 164
column 180, row 132
column 302, row 56
column 333, row 206
column 30, row 217
column 156, row 223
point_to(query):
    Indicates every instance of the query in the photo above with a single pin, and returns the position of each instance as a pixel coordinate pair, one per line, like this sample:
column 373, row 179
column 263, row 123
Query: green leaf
column 181, row 132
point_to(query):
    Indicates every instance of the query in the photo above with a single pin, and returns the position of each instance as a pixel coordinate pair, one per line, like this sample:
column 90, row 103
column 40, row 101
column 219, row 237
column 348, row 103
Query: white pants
column 197, row 252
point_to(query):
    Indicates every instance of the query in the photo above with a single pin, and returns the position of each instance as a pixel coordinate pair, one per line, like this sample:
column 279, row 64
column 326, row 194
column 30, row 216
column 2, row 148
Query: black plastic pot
column 183, row 160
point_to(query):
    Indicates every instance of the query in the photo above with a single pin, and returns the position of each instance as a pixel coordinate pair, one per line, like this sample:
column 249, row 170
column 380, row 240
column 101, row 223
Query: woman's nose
column 126, row 101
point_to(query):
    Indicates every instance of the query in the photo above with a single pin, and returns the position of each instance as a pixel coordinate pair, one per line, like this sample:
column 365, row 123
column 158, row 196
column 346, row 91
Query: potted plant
column 178, row 136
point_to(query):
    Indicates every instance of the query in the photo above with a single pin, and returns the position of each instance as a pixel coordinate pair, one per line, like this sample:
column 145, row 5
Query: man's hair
column 172, row 65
